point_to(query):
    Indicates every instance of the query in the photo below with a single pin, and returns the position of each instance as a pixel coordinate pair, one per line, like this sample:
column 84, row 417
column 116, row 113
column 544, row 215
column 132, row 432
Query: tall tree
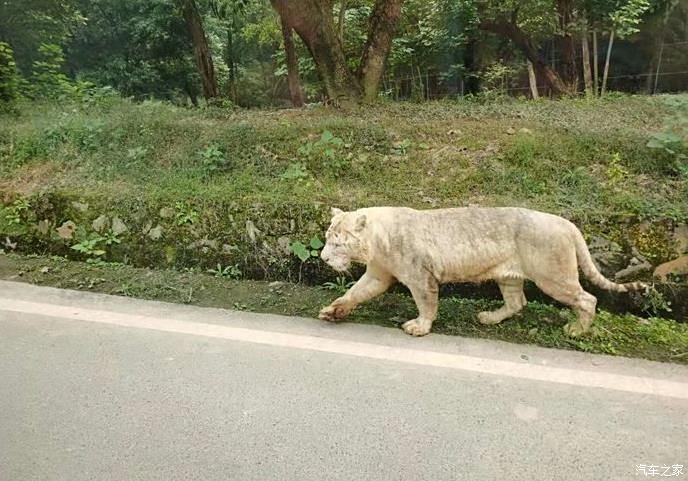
column 313, row 21
column 293, row 81
column 202, row 55
column 503, row 18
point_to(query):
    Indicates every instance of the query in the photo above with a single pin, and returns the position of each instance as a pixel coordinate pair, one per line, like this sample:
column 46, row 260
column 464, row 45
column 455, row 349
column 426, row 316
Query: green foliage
column 305, row 252
column 226, row 272
column 185, row 214
column 340, row 285
column 616, row 173
column 9, row 78
column 91, row 247
column 213, row 158
column 295, row 171
column 654, row 303
column 94, row 246
column 628, row 15
column 48, row 80
column 326, row 154
column 15, row 213
column 673, row 139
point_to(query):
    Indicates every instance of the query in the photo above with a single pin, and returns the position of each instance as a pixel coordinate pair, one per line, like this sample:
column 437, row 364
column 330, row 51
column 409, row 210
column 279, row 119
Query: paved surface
column 101, row 388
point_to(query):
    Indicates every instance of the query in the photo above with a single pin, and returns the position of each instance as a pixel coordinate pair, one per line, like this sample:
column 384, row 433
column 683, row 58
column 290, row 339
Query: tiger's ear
column 335, row 212
column 360, row 223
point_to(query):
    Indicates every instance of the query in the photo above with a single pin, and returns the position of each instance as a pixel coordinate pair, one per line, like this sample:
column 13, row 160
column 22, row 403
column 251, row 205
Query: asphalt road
column 100, row 388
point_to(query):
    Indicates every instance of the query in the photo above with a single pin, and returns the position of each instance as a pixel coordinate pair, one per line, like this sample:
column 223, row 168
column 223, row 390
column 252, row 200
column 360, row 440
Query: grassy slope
column 656, row 339
column 585, row 160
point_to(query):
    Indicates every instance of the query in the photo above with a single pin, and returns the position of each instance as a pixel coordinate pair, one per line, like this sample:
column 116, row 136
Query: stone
column 525, row 130
column 80, row 206
column 167, row 212
column 229, row 248
column 511, row 131
column 66, row 230
column 608, row 255
column 633, row 272
column 251, row 230
column 155, row 233
column 100, row 224
column 676, row 267
column 283, row 243
column 43, row 227
column 680, row 238
column 118, row 226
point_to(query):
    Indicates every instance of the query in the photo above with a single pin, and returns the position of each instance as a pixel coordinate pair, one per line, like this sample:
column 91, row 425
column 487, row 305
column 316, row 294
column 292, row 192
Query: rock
column 283, row 243
column 81, row 207
column 607, row 255
column 167, row 212
column 100, row 224
column 454, row 132
column 251, row 230
column 680, row 238
column 66, row 230
column 43, row 227
column 229, row 248
column 44, row 270
column 155, row 233
column 276, row 284
column 118, row 227
column 205, row 245
column 511, row 131
column 633, row 272
column 677, row 267
column 525, row 130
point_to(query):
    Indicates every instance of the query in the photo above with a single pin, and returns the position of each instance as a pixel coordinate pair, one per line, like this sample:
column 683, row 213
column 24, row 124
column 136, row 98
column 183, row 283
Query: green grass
column 626, row 335
column 554, row 156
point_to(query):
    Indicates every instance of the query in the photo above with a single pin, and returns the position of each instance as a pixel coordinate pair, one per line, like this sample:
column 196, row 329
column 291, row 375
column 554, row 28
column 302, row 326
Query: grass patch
column 570, row 157
column 656, row 338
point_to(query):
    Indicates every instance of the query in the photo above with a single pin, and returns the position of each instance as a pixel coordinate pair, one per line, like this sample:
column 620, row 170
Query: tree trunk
column 202, row 55
column 313, row 21
column 567, row 45
column 510, row 30
column 231, row 65
column 532, row 80
column 595, row 63
column 587, row 72
column 383, row 22
column 606, row 62
column 342, row 18
column 292, row 66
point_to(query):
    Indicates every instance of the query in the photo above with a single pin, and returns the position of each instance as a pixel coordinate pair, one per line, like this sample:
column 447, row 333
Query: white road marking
column 605, row 380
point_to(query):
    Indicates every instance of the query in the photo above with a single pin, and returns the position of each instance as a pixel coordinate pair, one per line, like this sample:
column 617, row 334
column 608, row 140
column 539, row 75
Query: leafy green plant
column 136, row 154
column 326, row 152
column 654, row 302
column 184, row 214
column 90, row 247
column 9, row 78
column 110, row 238
column 14, row 213
column 213, row 158
column 295, row 171
column 305, row 252
column 402, row 147
column 226, row 272
column 340, row 285
column 616, row 173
